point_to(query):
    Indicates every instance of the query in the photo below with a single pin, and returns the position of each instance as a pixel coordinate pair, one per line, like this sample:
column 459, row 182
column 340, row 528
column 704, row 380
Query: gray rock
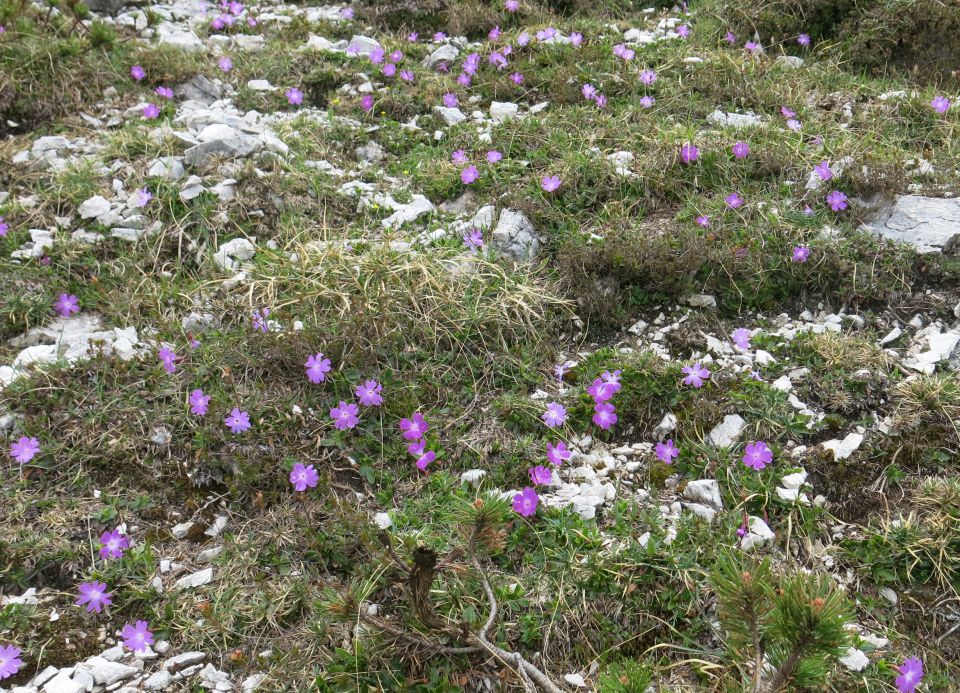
column 419, row 205
column 205, row 154
column 168, row 168
column 484, row 217
column 371, row 152
column 727, row 432
column 515, row 236
column 929, row 224
column 184, row 660
column 107, row 673
column 734, row 120
column 158, row 681
column 701, row 511
column 362, row 46
column 450, row 116
column 500, row 110
column 705, row 491
column 443, row 54
column 199, row 88
column 105, row 6
column 94, row 207
column 193, row 580
column 178, row 37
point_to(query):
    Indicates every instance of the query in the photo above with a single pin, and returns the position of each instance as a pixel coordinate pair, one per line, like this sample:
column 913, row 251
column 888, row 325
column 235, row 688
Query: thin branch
column 416, row 640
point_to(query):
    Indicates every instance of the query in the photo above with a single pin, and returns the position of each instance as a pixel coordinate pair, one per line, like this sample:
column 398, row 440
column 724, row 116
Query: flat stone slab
column 927, row 223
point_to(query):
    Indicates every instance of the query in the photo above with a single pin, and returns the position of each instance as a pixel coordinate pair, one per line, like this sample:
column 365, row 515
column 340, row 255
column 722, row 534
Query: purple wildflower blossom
column 576, row 39
column 540, row 475
column 703, row 220
column 238, row 421
column 473, row 240
column 112, row 544
column 911, row 673
column 757, row 455
column 689, row 153
column 368, row 393
column 344, row 416
column 415, row 427
column 647, row 101
column 66, row 305
column 696, row 374
column 555, row 414
column 941, row 104
column 469, row 175
column 199, row 402
column 558, row 454
column 525, row 502
column 10, row 662
column 741, row 337
column 837, row 200
column 604, row 415
column 666, row 452
column 366, row 102
column 164, row 92
column 801, row 253
column 823, row 170
column 24, row 449
column 137, row 72
column 803, row 40
column 168, row 358
column 151, row 111
column 550, row 183
column 317, row 367
column 425, row 460
column 94, row 594
column 733, row 200
column 648, row 77
column 138, row 637
column 741, row 150
column 225, row 64
column 294, row 96
column 303, row 477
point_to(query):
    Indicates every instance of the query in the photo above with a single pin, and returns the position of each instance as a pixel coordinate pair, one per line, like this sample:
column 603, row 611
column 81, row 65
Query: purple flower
column 741, row 150
column 941, row 104
column 346, row 13
column 459, row 157
column 416, row 448
column 550, row 183
column 621, row 51
column 558, row 454
column 137, row 638
column 523, row 39
column 742, row 530
column 648, row 77
column 696, row 374
column 294, row 96
column 511, row 5
column 164, row 92
column 450, row 100
column 167, row 358
column 666, row 452
column 303, row 477
column 803, row 39
column 3, row 227
column 151, row 111
column 588, row 91
column 751, row 46
column 66, row 305
column 801, row 253
column 794, row 124
column 439, row 36
column 94, row 595
column 600, row 100
column 473, row 240
column 823, row 170
column 412, row 37
column 425, row 460
column 730, row 38
column 344, row 416
column 733, row 200
column 703, row 220
column 516, row 78
column 225, row 64
column 377, row 55
column 396, row 56
column 540, row 475
column 317, row 367
column 389, row 70
column 497, row 60
column 546, row 34
column 683, row 30
column 647, row 101
column 561, row 368
column 525, row 502
column 757, row 455
column 469, row 175
column 604, row 415
column 689, row 153
column 143, row 197
column 10, row 661
column 741, row 337
column 837, row 200
column 415, row 427
column 368, row 393
column 238, row 421
column 576, row 38
column 366, row 102
column 406, row 75
column 199, row 402
column 259, row 320
column 601, row 391
column 555, row 414
column 112, row 544
column 493, row 156
column 137, row 72
column 494, row 33
column 787, row 113
column 911, row 673
column 24, row 449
